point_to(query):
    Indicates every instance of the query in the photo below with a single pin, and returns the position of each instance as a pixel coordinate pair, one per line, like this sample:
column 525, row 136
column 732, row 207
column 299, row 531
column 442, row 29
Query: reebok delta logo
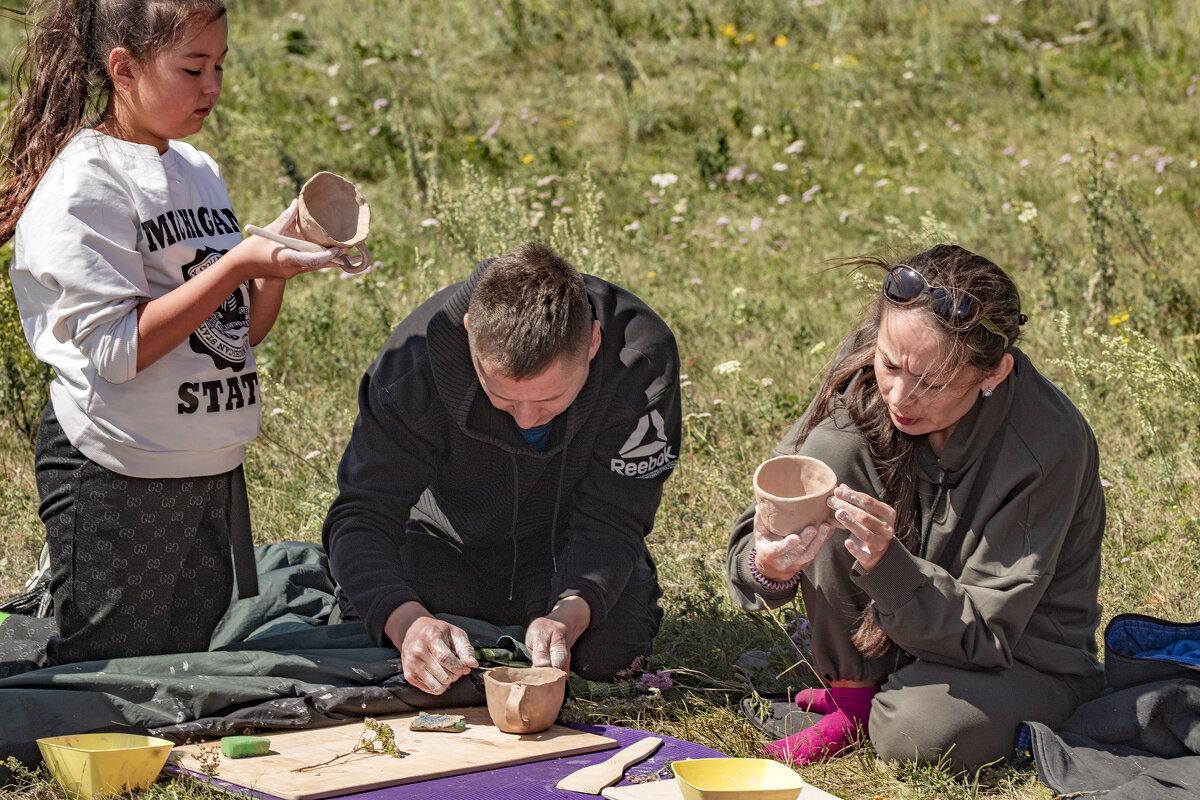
column 646, row 453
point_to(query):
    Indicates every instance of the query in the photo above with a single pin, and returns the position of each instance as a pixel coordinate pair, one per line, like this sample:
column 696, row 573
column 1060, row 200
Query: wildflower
column 810, row 193
column 767, row 381
column 527, row 158
column 658, row 680
column 380, row 103
column 1162, row 163
column 1028, row 213
column 311, row 454
column 911, row 190
column 600, row 76
column 547, row 180
column 1008, row 151
column 783, row 199
column 697, row 415
column 333, row 102
column 664, row 179
column 756, row 223
column 722, row 220
column 1106, row 484
column 1065, row 158
column 696, row 281
column 491, row 131
column 991, row 19
column 728, row 30
column 717, row 401
column 633, row 226
column 1023, row 163
column 882, row 182
column 735, row 173
column 780, row 41
column 779, row 166
column 1117, row 319
column 795, row 147
column 429, row 223
column 758, row 131
column 651, row 274
column 728, row 367
column 677, row 219
column 276, row 410
column 845, row 215
column 374, row 131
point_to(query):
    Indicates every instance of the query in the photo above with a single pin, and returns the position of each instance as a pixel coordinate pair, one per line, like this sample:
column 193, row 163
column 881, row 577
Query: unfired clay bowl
column 524, row 700
column 333, row 213
column 791, row 491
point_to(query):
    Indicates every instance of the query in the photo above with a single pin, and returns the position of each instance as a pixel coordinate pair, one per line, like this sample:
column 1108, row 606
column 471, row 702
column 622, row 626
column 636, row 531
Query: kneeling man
column 507, row 462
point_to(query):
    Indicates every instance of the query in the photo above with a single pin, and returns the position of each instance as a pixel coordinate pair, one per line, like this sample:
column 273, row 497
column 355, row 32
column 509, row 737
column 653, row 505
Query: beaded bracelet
column 767, row 583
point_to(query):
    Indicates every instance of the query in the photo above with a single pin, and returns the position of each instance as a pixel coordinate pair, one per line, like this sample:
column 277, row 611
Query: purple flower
column 655, row 680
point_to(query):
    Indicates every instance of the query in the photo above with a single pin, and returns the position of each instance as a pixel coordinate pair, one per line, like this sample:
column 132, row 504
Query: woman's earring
column 988, row 392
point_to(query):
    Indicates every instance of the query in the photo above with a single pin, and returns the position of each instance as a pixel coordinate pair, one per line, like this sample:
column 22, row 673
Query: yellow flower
column 780, row 41
column 528, row 157
column 471, row 138
column 816, row 65
column 729, row 30
column 1117, row 319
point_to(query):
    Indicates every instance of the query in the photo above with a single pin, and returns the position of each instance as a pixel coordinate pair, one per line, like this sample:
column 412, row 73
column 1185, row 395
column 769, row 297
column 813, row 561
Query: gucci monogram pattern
column 137, row 566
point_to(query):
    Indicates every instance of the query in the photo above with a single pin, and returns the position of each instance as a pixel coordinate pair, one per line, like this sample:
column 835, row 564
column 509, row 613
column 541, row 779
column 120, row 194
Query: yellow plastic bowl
column 736, row 779
column 87, row 764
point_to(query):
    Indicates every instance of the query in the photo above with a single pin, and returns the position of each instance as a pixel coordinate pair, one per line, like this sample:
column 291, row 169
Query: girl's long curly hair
column 850, row 381
column 62, row 81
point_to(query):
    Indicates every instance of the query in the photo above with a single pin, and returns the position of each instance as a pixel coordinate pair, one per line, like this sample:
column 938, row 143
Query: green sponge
column 245, row 746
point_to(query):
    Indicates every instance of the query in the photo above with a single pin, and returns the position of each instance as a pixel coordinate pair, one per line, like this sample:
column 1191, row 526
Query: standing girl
column 133, row 282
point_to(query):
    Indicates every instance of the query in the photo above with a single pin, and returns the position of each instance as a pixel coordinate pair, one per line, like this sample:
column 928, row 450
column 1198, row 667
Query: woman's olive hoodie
column 427, row 444
column 1006, row 566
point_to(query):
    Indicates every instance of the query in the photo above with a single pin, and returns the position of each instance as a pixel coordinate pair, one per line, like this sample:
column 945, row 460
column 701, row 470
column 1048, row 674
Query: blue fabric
column 1181, row 651
column 1142, row 638
column 537, row 437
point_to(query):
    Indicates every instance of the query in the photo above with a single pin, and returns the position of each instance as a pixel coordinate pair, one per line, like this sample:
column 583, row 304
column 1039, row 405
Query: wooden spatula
column 594, row 779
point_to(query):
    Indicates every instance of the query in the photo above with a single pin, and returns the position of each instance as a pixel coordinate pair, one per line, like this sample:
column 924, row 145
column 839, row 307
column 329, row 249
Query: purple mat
column 523, row 781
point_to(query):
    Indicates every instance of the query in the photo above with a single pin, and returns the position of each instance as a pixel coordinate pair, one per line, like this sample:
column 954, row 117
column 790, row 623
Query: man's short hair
column 528, row 309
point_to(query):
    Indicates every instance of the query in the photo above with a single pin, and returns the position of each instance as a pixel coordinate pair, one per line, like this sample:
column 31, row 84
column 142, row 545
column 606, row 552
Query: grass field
column 713, row 157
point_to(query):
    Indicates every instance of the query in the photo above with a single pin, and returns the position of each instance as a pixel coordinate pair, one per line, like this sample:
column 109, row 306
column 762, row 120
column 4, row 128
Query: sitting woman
column 964, row 600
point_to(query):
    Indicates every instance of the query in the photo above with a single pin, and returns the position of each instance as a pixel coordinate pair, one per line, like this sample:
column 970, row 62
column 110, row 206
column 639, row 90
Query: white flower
column 783, row 199
column 1028, row 213
column 795, row 147
column 429, row 223
column 810, row 193
column 728, row 367
column 756, row 223
column 664, row 179
column 633, row 226
column 991, row 19
column 311, row 454
column 779, row 166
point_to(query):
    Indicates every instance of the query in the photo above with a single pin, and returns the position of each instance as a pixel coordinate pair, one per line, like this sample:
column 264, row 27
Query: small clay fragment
column 443, row 723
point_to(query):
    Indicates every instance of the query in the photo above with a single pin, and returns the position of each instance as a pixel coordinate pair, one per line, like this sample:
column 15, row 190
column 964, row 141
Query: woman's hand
column 779, row 558
column 871, row 524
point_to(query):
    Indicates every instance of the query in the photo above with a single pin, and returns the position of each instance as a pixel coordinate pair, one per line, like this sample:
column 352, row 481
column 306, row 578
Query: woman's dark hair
column 850, row 381
column 62, row 79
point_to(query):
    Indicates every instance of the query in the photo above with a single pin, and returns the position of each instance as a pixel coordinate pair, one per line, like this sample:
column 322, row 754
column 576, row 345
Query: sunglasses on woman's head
column 903, row 285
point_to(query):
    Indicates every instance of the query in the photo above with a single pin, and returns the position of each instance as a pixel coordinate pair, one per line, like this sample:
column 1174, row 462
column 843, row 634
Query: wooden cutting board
column 481, row 746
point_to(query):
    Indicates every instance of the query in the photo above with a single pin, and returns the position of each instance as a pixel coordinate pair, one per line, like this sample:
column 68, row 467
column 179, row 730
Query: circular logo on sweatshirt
column 224, row 336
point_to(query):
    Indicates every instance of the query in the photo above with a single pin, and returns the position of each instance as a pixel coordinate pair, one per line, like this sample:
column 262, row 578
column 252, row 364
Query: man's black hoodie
column 428, row 444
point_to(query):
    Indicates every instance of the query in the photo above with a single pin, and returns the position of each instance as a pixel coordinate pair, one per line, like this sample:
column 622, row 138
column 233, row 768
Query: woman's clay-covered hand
column 779, row 558
column 871, row 524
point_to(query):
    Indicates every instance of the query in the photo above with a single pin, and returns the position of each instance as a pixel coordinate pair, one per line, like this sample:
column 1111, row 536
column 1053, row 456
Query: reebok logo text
column 646, row 452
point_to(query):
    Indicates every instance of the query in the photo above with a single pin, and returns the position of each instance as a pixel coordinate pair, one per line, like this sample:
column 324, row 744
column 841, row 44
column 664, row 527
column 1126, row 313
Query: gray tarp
column 274, row 663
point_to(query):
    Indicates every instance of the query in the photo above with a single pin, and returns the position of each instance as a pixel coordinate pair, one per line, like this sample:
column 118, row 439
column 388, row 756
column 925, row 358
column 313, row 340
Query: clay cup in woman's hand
column 779, row 558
